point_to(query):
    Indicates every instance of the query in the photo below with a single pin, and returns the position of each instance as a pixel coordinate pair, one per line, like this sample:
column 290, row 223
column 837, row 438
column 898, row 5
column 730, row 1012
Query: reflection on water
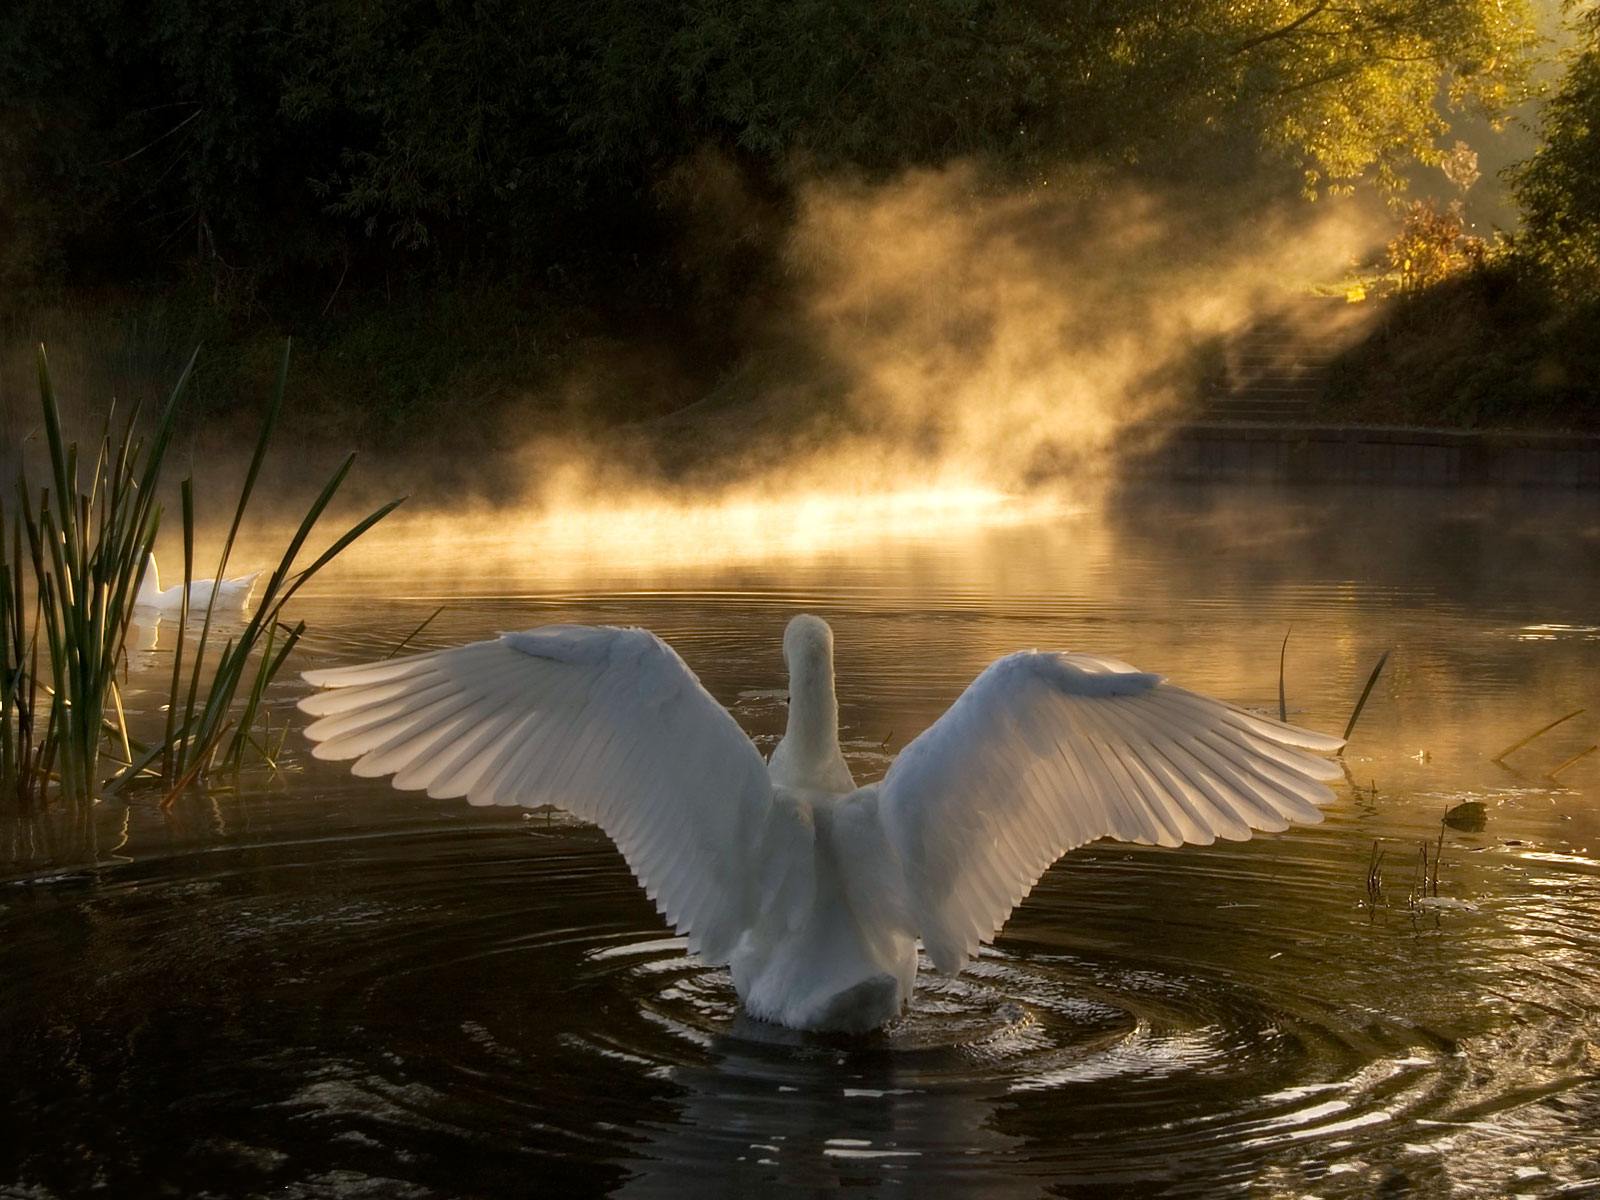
column 307, row 985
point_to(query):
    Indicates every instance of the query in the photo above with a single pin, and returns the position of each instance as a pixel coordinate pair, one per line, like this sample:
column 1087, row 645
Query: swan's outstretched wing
column 1044, row 752
column 607, row 723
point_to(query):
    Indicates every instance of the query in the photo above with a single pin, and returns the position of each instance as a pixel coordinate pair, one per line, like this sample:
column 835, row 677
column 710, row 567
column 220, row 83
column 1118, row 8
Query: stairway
column 1276, row 368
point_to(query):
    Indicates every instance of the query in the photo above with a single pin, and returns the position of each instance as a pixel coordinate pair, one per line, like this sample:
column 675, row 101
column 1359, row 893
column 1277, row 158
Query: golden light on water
column 648, row 536
column 565, row 543
column 762, row 527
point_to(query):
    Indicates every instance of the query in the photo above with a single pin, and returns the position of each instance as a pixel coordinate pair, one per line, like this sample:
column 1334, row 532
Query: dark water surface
column 305, row 985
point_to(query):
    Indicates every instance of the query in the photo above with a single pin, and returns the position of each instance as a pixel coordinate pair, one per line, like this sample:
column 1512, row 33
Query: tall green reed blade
column 195, row 740
column 14, row 716
column 34, row 755
column 88, row 550
column 1365, row 692
column 269, row 424
column 169, row 744
column 267, row 669
column 1283, row 654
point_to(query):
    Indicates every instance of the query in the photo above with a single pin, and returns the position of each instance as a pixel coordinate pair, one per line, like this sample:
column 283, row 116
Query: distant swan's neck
column 150, row 585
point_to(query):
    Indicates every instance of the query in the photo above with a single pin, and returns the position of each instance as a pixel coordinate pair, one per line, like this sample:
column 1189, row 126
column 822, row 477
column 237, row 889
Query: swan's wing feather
column 1044, row 752
column 609, row 724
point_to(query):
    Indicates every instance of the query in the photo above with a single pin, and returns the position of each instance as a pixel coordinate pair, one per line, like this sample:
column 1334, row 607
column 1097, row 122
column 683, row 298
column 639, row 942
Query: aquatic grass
column 88, row 552
column 1537, row 733
column 88, row 549
column 1423, row 892
column 1365, row 692
column 1375, row 877
column 1576, row 758
column 210, row 696
column 24, row 760
column 417, row 632
column 1283, row 653
column 1425, row 881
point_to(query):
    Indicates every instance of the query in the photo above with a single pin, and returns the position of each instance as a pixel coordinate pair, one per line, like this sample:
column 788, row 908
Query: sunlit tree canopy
column 1559, row 187
column 272, row 132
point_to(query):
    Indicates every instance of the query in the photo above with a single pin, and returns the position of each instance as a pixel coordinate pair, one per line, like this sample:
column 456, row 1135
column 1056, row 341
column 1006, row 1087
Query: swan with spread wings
column 813, row 891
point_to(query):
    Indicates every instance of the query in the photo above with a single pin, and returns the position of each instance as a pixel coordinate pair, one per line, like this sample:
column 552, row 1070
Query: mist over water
column 1012, row 335
column 940, row 333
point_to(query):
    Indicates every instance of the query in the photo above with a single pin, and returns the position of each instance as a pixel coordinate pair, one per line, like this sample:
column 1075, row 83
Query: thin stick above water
column 406, row 641
column 1365, row 692
column 1578, row 757
column 1283, row 706
column 1515, row 746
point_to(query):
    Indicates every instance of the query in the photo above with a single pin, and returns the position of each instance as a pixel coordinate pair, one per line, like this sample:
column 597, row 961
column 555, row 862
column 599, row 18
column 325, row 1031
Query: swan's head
column 808, row 648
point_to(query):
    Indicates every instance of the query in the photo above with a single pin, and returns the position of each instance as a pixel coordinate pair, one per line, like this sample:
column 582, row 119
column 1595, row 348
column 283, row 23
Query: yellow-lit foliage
column 1432, row 245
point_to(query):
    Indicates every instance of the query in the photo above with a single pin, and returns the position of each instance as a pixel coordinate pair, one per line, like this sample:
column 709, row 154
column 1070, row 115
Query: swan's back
column 835, row 948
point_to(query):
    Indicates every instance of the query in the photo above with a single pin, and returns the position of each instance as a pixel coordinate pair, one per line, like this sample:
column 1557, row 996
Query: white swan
column 233, row 594
column 812, row 890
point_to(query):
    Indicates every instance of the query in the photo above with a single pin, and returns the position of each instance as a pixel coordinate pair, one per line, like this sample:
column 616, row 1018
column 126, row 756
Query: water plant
column 1372, row 679
column 1537, row 733
column 1576, row 758
column 1283, row 653
column 23, row 762
column 88, row 550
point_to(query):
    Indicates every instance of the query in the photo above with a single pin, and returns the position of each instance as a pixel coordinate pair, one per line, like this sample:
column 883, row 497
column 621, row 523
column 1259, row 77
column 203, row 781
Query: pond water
column 306, row 985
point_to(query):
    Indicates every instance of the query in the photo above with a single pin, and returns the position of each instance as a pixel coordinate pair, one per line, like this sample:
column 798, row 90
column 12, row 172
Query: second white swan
column 233, row 594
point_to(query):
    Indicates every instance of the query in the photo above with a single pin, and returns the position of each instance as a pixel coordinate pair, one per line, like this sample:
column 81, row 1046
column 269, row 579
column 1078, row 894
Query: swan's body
column 231, row 594
column 813, row 891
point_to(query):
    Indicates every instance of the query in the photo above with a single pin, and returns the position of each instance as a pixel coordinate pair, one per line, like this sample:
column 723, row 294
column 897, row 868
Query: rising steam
column 948, row 347
column 965, row 341
column 1010, row 338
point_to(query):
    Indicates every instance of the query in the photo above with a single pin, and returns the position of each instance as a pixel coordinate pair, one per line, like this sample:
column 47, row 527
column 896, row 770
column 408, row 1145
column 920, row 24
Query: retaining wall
column 1273, row 453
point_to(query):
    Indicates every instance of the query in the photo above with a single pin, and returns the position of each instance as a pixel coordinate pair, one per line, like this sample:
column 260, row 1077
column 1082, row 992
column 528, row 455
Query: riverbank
column 1260, row 452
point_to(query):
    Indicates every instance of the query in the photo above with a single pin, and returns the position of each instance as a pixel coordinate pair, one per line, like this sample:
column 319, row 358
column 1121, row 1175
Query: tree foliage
column 1432, row 246
column 262, row 134
column 1559, row 187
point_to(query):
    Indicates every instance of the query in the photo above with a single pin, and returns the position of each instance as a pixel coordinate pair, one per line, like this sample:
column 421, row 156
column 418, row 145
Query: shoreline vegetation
column 586, row 221
column 79, row 545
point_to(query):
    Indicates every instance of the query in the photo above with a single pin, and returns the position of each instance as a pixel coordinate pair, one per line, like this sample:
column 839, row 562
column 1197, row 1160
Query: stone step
column 1277, row 368
column 1279, row 403
column 1260, row 341
column 1286, row 358
column 1238, row 379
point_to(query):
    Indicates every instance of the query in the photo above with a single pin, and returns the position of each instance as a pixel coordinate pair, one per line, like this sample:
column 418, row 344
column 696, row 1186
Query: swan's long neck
column 813, row 728
column 809, row 756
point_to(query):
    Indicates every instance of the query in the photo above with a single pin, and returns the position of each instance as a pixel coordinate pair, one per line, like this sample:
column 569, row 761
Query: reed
column 24, row 762
column 1537, row 733
column 1576, row 758
column 1350, row 726
column 221, row 699
column 415, row 633
column 1283, row 653
column 1375, row 878
column 88, row 551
